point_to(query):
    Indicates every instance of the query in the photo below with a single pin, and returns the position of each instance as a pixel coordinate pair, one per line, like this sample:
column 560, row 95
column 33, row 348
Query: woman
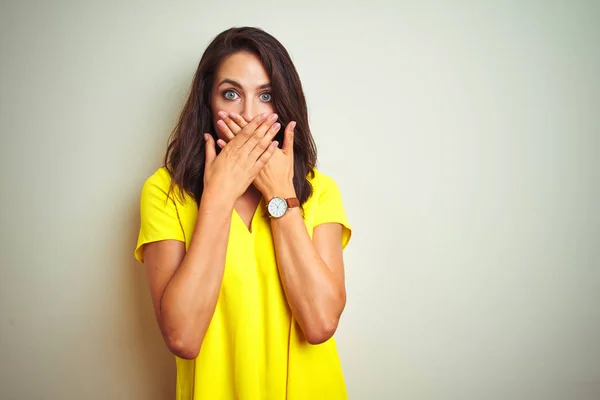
column 242, row 237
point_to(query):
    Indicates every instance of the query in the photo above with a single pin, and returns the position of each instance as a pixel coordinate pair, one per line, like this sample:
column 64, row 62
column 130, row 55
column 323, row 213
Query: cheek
column 217, row 104
column 266, row 108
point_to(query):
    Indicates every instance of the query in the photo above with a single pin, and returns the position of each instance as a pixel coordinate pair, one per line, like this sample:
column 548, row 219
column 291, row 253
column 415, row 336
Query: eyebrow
column 236, row 84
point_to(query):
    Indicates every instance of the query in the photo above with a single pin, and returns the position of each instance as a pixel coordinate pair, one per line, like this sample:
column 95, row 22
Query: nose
column 249, row 110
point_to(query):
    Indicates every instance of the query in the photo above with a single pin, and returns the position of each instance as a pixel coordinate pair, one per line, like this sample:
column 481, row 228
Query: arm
column 185, row 286
column 312, row 273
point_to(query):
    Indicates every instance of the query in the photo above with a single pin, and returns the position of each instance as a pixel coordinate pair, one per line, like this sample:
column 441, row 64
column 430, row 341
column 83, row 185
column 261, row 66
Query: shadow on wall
column 149, row 353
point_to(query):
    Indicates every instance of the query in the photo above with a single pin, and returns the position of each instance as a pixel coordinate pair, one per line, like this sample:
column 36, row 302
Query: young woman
column 242, row 237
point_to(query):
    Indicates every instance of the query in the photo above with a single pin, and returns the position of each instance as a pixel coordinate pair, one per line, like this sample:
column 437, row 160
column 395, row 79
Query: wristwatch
column 278, row 206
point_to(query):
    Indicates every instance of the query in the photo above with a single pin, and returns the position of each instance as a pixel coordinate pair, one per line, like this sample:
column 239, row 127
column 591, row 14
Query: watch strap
column 292, row 202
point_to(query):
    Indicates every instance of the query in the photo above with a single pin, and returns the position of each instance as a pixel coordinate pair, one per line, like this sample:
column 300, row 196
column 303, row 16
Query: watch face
column 277, row 207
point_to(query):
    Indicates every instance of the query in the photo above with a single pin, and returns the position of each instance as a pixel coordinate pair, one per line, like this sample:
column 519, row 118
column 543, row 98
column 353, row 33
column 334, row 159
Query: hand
column 231, row 172
column 276, row 177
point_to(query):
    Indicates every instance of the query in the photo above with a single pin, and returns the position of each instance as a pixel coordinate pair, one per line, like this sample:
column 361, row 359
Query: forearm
column 190, row 298
column 316, row 297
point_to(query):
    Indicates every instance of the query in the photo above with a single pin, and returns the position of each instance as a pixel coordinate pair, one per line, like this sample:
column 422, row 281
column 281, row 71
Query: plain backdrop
column 464, row 137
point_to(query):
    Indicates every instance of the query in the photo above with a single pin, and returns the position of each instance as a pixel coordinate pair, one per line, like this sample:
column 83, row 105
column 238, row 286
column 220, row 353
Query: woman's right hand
column 229, row 174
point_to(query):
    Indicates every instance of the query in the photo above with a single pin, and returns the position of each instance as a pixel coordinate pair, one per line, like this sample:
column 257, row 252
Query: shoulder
column 159, row 184
column 326, row 204
column 159, row 213
column 160, row 187
column 325, row 192
column 160, row 179
column 322, row 183
column 157, row 190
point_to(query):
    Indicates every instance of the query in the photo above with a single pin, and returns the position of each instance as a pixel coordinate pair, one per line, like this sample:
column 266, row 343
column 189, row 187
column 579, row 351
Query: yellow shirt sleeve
column 330, row 207
column 159, row 219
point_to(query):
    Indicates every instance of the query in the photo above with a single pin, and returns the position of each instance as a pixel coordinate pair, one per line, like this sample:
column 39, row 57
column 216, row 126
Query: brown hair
column 185, row 154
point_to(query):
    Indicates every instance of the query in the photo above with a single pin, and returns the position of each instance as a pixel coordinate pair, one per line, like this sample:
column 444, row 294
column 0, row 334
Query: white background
column 464, row 137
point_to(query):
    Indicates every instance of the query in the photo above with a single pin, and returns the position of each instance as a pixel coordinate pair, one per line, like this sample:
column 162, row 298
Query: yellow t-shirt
column 253, row 348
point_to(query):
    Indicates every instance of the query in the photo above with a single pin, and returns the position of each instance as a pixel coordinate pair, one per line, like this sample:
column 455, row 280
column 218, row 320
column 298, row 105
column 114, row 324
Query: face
column 241, row 86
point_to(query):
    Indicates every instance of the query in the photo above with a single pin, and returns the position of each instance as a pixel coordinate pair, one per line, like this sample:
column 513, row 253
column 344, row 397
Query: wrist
column 214, row 199
column 283, row 192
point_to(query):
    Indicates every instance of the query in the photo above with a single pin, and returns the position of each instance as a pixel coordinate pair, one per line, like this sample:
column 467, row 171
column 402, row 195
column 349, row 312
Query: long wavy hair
column 185, row 156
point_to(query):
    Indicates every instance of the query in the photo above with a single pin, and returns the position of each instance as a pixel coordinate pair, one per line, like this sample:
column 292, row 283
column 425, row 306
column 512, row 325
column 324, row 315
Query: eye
column 266, row 97
column 230, row 95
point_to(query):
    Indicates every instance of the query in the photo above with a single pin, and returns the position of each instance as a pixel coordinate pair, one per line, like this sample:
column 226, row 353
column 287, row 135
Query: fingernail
column 233, row 115
column 221, row 122
column 222, row 114
column 206, row 137
column 293, row 125
column 276, row 144
column 277, row 126
column 273, row 117
column 262, row 116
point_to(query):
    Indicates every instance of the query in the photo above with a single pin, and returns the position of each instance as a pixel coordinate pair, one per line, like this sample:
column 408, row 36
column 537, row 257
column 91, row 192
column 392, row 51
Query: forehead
column 243, row 67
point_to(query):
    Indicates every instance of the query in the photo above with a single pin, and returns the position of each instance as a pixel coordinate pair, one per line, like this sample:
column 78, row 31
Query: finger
column 258, row 134
column 247, row 132
column 264, row 143
column 238, row 119
column 288, row 141
column 233, row 126
column 265, row 156
column 221, row 143
column 210, row 151
column 223, row 128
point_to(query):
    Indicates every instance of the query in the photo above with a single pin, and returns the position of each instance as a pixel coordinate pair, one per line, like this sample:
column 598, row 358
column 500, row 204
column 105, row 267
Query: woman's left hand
column 276, row 177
